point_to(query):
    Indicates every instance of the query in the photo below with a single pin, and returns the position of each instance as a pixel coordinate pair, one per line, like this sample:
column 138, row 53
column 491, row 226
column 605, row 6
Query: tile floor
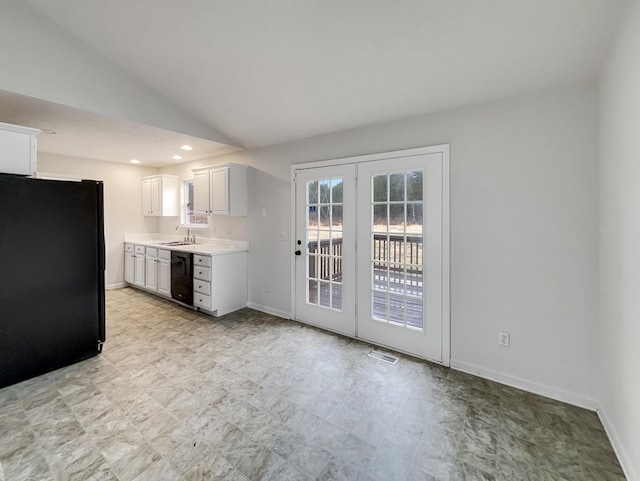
column 180, row 396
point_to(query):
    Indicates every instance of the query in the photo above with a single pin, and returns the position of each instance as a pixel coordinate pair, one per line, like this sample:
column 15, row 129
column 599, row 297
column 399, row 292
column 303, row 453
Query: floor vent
column 383, row 357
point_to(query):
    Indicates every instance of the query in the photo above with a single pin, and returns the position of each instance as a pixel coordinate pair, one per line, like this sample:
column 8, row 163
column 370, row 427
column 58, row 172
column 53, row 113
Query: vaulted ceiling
column 263, row 72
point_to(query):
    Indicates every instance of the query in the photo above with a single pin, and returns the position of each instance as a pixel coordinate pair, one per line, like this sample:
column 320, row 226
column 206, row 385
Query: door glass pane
column 325, row 293
column 380, row 188
column 325, row 220
column 381, row 276
column 380, row 248
column 396, row 278
column 396, row 235
column 415, row 316
column 325, row 191
column 380, row 304
column 336, row 297
column 312, row 220
column 312, row 241
column 324, row 242
column 312, row 192
column 313, row 261
column 336, row 191
column 414, row 218
column 336, row 269
column 414, row 185
column 336, row 217
column 396, row 309
column 412, row 253
column 396, row 218
column 312, row 292
column 396, row 187
column 414, row 281
column 380, row 218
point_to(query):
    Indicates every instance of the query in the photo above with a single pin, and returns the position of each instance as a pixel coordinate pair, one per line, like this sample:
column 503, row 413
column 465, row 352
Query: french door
column 373, row 259
column 325, row 248
column 400, row 254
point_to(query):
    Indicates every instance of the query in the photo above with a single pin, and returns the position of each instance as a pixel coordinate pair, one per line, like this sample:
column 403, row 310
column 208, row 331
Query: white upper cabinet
column 201, row 192
column 17, row 149
column 160, row 195
column 220, row 190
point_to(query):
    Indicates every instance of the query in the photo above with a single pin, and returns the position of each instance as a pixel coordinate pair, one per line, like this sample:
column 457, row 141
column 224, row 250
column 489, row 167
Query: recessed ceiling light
column 177, row 157
column 134, row 161
column 49, row 131
column 186, row 147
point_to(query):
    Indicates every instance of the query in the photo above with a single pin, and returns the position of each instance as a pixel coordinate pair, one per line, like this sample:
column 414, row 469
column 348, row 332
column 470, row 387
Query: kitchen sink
column 176, row 243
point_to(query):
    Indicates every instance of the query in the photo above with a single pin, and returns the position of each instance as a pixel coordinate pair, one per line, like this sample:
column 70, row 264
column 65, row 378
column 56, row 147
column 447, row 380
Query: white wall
column 619, row 333
column 523, row 230
column 47, row 62
column 122, row 202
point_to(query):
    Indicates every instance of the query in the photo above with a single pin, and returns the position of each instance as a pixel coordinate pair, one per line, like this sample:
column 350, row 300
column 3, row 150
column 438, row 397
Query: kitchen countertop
column 203, row 246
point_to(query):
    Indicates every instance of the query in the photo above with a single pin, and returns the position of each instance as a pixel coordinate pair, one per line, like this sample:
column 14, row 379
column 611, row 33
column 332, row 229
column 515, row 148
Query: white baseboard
column 115, row 286
column 269, row 310
column 623, row 456
column 535, row 388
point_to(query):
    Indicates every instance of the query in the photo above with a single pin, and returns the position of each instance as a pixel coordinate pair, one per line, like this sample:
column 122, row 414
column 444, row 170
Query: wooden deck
column 396, row 304
column 325, row 264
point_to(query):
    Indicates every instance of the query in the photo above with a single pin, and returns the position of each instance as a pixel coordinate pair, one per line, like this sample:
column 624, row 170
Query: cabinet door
column 201, row 193
column 147, row 206
column 156, row 196
column 220, row 191
column 164, row 277
column 151, row 277
column 139, row 270
column 18, row 150
column 129, row 267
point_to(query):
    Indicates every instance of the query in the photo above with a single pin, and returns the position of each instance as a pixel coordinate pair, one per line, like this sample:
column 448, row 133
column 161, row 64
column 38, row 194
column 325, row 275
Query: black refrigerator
column 52, row 304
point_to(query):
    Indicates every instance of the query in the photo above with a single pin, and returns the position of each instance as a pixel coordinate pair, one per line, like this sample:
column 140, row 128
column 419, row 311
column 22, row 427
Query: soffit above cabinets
column 73, row 132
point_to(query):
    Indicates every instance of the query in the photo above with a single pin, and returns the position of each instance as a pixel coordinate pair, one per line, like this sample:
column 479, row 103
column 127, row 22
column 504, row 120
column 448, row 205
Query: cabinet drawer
column 203, row 273
column 152, row 252
column 140, row 249
column 204, row 261
column 164, row 254
column 202, row 300
column 203, row 287
column 129, row 248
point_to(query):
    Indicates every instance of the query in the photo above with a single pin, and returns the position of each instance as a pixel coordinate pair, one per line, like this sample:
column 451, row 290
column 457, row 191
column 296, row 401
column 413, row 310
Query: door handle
column 298, row 252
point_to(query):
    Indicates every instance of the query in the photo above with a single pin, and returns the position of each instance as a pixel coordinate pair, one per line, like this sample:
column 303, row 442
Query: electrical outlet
column 504, row 338
column 284, row 235
column 267, row 287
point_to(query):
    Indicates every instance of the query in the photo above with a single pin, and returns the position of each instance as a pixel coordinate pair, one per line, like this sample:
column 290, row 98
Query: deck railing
column 401, row 252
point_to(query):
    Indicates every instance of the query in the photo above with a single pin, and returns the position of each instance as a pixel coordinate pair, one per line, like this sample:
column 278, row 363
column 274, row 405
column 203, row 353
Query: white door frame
column 446, row 207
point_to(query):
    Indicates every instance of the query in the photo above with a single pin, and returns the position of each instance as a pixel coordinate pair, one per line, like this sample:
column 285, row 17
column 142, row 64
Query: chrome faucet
column 189, row 237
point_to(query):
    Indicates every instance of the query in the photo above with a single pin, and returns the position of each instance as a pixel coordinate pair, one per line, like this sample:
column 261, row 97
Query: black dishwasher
column 181, row 281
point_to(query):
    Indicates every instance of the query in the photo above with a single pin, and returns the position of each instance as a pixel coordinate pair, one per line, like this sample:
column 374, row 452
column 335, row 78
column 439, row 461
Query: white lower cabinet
column 151, row 275
column 148, row 267
column 129, row 263
column 220, row 282
column 202, row 282
column 139, row 268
